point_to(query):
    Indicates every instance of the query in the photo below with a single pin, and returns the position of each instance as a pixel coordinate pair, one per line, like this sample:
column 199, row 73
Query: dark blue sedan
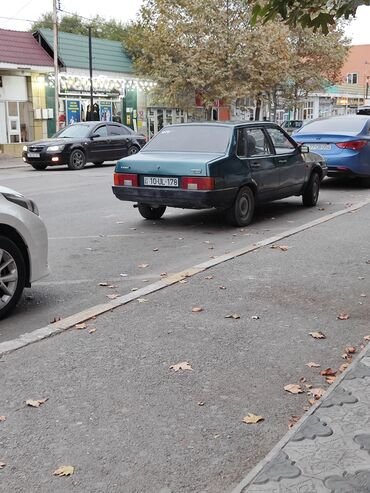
column 344, row 142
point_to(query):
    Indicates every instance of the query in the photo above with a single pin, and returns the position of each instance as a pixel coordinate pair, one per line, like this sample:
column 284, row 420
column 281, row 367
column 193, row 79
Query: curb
column 242, row 487
column 68, row 322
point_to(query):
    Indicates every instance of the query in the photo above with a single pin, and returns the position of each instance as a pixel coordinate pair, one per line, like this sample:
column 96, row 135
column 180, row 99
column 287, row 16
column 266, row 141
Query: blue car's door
column 292, row 167
column 256, row 154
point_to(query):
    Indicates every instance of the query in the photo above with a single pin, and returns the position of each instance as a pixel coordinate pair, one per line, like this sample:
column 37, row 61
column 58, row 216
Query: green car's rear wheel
column 242, row 210
column 151, row 212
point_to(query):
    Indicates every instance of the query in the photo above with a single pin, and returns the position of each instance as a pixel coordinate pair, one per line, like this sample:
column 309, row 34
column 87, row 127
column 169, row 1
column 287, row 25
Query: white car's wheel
column 12, row 275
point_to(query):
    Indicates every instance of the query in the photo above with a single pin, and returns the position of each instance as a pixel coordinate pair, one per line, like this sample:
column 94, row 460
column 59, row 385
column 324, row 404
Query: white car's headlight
column 23, row 202
column 55, row 148
column 25, row 148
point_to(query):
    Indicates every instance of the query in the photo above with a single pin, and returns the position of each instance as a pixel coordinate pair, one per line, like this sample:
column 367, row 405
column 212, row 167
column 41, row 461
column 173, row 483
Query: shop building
column 24, row 113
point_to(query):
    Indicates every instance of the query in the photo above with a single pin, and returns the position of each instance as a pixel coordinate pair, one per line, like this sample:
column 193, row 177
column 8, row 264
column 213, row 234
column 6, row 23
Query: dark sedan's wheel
column 151, row 212
column 12, row 275
column 77, row 159
column 133, row 150
column 311, row 194
column 98, row 163
column 241, row 212
column 39, row 166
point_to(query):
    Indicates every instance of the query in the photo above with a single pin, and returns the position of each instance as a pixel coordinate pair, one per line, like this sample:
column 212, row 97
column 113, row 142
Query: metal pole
column 56, row 67
column 91, row 79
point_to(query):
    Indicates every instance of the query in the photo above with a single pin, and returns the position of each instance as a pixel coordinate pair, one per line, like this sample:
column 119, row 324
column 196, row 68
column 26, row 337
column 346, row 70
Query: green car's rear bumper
column 174, row 197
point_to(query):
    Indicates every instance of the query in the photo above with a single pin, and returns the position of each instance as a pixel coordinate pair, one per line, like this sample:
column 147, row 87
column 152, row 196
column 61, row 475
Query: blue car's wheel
column 311, row 194
column 242, row 210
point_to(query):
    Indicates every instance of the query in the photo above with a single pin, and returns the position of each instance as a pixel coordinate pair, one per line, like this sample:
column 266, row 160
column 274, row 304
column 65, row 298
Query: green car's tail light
column 354, row 145
column 198, row 183
column 126, row 180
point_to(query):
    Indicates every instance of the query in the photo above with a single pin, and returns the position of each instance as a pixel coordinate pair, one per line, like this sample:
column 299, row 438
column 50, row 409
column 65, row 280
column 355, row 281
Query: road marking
column 71, row 321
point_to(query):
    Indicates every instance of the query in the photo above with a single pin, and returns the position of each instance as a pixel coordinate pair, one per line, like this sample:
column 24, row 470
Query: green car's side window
column 281, row 143
column 252, row 142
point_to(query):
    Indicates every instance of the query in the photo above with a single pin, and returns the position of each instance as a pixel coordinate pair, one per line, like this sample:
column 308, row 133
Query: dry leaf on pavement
column 91, row 331
column 255, row 317
column 36, row 402
column 143, row 266
column 200, row 403
column 283, row 248
column 208, row 277
column 293, row 388
column 81, row 326
column 318, row 335
column 2, row 465
column 2, row 418
column 197, row 309
column 343, row 316
column 163, row 274
column 293, row 420
column 55, row 319
column 103, row 284
column 181, row 366
column 183, row 281
column 317, row 393
column 235, row 316
column 330, row 380
column 343, row 367
column 311, row 364
column 328, row 372
column 350, row 349
column 367, row 338
column 142, row 300
column 155, row 249
column 222, row 287
column 112, row 296
column 64, row 471
column 252, row 419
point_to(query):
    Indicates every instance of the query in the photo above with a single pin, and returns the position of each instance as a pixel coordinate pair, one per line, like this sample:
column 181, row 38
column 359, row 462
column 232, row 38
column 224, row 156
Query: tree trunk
column 258, row 108
column 208, row 112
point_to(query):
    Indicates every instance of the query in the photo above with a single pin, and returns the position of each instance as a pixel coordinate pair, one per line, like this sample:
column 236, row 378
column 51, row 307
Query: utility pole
column 91, row 77
column 56, row 68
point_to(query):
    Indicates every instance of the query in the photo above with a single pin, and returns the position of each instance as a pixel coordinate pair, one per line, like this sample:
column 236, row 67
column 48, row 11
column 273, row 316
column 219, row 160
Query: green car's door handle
column 256, row 164
column 283, row 161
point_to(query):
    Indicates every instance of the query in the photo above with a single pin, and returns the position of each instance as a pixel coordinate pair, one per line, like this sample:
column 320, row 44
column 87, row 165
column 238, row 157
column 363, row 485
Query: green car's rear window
column 187, row 138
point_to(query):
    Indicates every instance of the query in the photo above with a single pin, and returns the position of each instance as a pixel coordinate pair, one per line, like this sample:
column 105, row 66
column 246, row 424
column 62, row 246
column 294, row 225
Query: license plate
column 160, row 181
column 319, row 147
column 33, row 154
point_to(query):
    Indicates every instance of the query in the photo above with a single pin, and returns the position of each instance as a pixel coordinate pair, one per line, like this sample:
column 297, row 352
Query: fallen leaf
column 255, row 317
column 343, row 316
column 330, row 380
column 361, row 278
column 163, row 274
column 317, row 392
column 350, row 350
column 283, row 248
column 318, row 335
column 363, row 295
column 112, row 286
column 55, row 319
column 2, row 418
column 143, row 266
column 92, row 330
column 321, row 208
column 155, row 249
column 328, row 372
column 181, row 366
column 208, row 277
column 133, row 229
column 235, row 316
column 183, row 281
column 302, row 380
column 197, row 309
column 222, row 287
column 2, row 465
column 200, row 403
column 308, row 386
column 293, row 420
column 252, row 419
column 35, row 403
column 311, row 402
column 343, row 367
column 293, row 388
column 81, row 326
column 103, row 284
column 112, row 296
column 142, row 300
column 124, row 275
column 134, row 289
column 311, row 364
column 64, row 471
column 367, row 338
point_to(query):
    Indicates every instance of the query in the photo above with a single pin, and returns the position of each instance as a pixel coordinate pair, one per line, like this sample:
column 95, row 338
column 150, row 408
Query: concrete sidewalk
column 129, row 423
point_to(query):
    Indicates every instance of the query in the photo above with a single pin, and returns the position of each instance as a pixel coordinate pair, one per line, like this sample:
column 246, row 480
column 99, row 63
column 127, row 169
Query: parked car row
column 228, row 166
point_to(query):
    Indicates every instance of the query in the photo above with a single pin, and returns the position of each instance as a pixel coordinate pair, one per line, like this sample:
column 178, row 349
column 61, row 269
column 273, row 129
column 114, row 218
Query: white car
column 23, row 247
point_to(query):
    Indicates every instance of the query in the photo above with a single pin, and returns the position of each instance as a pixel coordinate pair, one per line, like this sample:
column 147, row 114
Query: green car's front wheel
column 151, row 212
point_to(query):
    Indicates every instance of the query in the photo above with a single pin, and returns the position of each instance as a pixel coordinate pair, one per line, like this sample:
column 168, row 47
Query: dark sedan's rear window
column 345, row 125
column 187, row 138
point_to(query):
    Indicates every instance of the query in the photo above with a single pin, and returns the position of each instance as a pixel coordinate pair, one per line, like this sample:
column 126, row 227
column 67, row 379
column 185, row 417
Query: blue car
column 343, row 141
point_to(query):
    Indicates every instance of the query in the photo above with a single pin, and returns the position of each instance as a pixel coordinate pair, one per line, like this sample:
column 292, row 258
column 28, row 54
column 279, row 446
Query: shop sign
column 73, row 111
column 105, row 111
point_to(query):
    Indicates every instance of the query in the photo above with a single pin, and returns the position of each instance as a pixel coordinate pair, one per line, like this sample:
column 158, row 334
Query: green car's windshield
column 191, row 138
column 74, row 132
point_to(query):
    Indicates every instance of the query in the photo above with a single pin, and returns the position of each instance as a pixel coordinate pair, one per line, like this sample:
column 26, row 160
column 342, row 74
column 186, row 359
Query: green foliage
column 73, row 23
column 316, row 14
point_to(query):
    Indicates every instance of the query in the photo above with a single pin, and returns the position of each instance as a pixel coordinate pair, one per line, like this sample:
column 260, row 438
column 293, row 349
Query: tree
column 73, row 23
column 317, row 14
column 205, row 47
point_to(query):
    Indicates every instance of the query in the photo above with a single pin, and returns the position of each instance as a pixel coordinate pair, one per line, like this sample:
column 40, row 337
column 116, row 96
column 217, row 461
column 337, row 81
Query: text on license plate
column 319, row 147
column 33, row 154
column 160, row 181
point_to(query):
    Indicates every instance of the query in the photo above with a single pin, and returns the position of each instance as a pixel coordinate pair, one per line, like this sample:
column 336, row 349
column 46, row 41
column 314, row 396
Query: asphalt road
column 128, row 423
column 95, row 238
